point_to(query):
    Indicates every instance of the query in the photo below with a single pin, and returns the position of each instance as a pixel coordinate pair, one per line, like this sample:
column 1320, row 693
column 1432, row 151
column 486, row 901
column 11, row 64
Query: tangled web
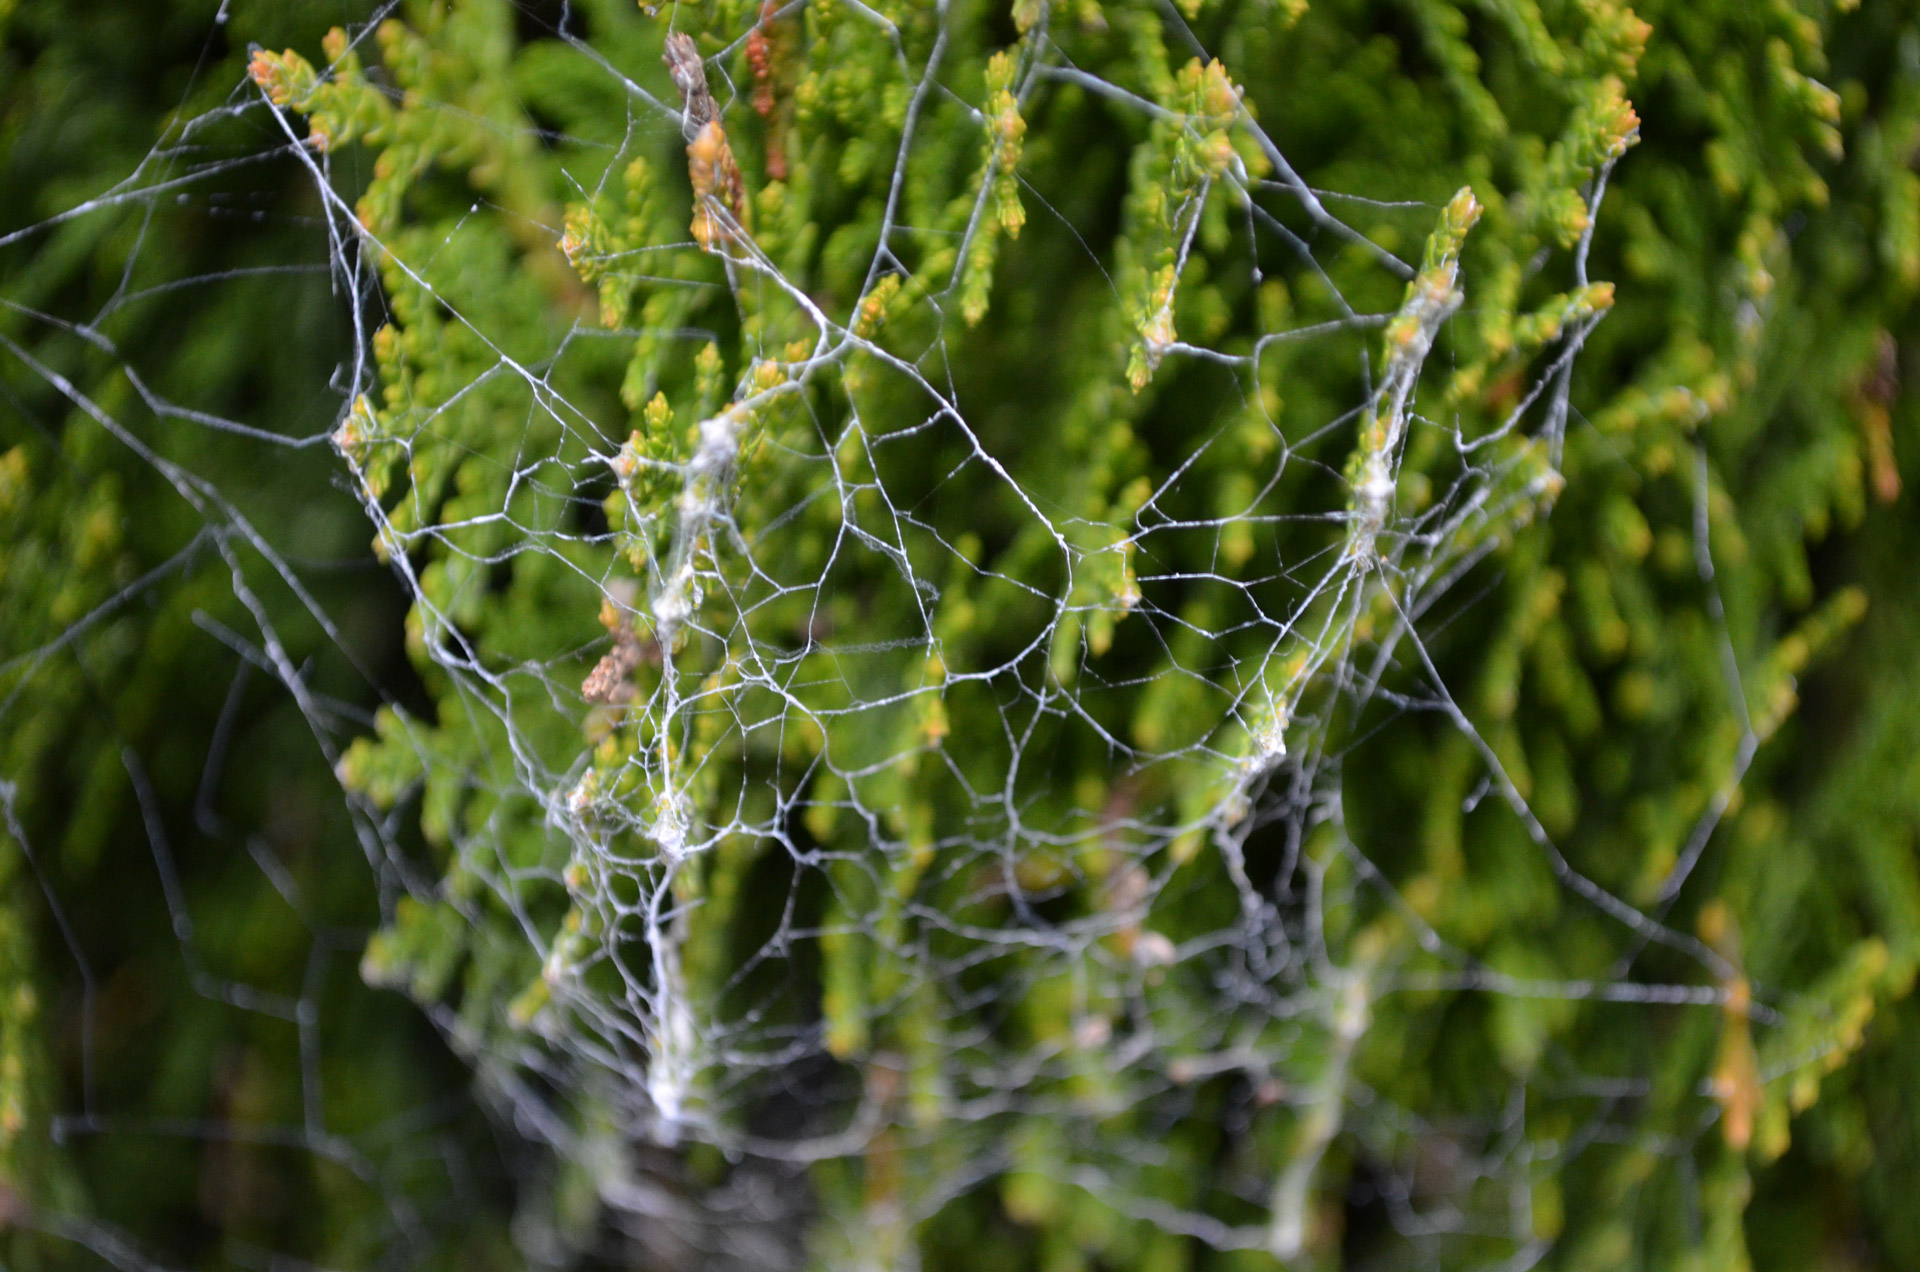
column 911, row 554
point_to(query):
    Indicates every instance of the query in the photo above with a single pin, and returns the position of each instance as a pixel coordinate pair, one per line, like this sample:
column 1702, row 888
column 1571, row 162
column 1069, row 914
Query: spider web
column 905, row 813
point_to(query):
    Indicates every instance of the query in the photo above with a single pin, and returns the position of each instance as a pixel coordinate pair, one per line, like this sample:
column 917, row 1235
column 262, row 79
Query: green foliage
column 168, row 1082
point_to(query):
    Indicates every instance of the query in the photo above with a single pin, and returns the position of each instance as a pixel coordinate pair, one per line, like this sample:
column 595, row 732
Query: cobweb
column 906, row 813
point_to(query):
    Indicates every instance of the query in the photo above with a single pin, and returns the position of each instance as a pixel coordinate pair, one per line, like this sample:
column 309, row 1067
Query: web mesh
column 894, row 728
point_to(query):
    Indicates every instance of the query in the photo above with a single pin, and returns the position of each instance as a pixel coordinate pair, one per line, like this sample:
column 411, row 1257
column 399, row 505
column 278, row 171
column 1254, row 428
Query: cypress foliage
column 190, row 1067
column 1088, row 635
